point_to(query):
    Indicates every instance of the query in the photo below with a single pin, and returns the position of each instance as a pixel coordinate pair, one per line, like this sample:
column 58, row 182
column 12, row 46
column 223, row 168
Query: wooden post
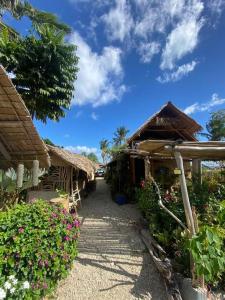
column 147, row 168
column 197, row 170
column 20, row 173
column 132, row 169
column 184, row 191
column 35, row 172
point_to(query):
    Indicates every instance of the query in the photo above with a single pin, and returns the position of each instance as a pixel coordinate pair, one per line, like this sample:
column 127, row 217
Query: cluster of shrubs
column 207, row 247
column 38, row 244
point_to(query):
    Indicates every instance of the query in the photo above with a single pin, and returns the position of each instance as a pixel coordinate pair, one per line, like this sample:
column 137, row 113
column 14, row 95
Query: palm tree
column 216, row 126
column 120, row 135
column 20, row 8
column 104, row 147
column 9, row 4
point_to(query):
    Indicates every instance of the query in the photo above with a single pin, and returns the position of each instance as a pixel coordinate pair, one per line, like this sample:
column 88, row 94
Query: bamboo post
column 20, row 173
column 184, row 191
column 35, row 172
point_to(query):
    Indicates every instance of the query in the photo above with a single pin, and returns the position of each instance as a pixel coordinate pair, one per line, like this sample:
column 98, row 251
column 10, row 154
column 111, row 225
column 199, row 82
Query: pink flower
column 69, row 227
column 64, row 211
column 67, row 238
column 44, row 285
column 46, row 263
column 76, row 223
column 21, row 230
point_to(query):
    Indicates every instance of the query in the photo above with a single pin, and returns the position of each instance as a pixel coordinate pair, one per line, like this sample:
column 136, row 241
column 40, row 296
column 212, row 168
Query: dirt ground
column 113, row 263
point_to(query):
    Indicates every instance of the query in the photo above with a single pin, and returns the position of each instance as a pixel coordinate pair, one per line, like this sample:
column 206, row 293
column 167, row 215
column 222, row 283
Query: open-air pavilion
column 20, row 144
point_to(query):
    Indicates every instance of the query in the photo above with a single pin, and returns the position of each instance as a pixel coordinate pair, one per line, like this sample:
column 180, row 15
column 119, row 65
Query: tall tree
column 216, row 126
column 45, row 68
column 20, row 8
column 120, row 135
column 92, row 156
column 104, row 147
column 10, row 5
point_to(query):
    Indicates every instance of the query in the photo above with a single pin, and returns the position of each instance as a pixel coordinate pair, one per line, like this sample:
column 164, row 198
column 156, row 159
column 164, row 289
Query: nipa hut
column 169, row 123
column 69, row 172
column 20, row 143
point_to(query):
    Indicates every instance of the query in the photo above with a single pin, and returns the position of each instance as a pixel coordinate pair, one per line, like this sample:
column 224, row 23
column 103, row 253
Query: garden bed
column 38, row 244
column 207, row 246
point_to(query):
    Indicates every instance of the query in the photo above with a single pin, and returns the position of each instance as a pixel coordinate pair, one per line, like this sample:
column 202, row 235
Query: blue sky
column 135, row 55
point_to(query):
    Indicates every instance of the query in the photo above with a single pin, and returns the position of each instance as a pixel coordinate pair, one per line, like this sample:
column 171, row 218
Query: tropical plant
column 38, row 244
column 20, row 8
column 216, row 126
column 207, row 248
column 104, row 147
column 48, row 142
column 120, row 135
column 92, row 156
column 45, row 68
column 10, row 5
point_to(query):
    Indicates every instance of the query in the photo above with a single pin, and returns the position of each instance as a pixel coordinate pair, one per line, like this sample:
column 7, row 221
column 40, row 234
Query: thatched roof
column 168, row 123
column 190, row 150
column 19, row 139
column 76, row 160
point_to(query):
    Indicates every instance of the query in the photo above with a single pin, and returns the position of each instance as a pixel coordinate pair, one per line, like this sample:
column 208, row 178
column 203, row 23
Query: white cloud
column 78, row 114
column 80, row 149
column 216, row 6
column 180, row 72
column 118, row 21
column 100, row 76
column 148, row 50
column 200, row 107
column 178, row 23
column 94, row 116
column 181, row 41
column 167, row 28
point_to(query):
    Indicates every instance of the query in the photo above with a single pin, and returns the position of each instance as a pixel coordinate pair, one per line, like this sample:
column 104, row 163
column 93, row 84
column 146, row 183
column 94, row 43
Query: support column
column 132, row 170
column 147, row 168
column 35, row 172
column 184, row 191
column 197, row 170
column 20, row 173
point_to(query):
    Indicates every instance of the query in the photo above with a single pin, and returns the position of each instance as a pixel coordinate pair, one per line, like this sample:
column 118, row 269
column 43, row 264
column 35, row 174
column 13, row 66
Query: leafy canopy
column 104, row 147
column 216, row 126
column 92, row 156
column 45, row 68
column 120, row 135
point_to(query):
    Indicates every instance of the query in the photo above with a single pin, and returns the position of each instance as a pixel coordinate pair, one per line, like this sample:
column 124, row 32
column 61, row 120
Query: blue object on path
column 121, row 199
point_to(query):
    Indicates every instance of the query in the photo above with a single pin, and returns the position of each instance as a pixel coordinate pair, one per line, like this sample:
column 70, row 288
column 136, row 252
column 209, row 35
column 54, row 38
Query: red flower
column 21, row 230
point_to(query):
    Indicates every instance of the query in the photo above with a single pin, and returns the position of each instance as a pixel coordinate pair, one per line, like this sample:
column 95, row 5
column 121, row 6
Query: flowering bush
column 38, row 243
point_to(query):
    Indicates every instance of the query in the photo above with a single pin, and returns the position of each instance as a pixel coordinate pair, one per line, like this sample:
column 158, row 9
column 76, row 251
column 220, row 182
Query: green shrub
column 208, row 249
column 38, row 243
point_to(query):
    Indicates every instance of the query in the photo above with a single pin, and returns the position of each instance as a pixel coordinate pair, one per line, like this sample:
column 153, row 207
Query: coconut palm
column 216, row 126
column 120, row 135
column 9, row 4
column 20, row 8
column 104, row 147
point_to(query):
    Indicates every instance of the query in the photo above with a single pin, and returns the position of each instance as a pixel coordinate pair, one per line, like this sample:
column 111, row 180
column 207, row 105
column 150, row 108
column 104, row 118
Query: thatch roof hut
column 19, row 139
column 168, row 123
column 68, row 172
column 61, row 155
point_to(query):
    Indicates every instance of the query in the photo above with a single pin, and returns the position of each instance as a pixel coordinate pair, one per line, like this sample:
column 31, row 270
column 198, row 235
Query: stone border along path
column 113, row 263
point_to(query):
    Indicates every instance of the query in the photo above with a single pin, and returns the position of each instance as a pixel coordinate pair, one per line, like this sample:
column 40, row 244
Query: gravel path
column 113, row 263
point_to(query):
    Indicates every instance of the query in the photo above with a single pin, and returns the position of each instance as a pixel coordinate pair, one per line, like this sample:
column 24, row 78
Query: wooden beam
column 4, row 151
column 10, row 123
